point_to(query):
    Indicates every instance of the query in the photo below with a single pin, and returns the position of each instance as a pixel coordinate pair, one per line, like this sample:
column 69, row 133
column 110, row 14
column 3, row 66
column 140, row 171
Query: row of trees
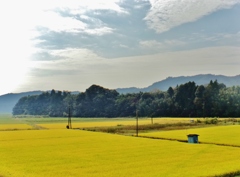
column 186, row 100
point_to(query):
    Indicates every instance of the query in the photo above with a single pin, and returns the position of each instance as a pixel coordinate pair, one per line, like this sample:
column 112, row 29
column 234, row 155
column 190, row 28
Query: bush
column 199, row 121
column 211, row 121
column 111, row 130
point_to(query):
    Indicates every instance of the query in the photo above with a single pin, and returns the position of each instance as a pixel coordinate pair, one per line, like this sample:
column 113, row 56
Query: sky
column 72, row 44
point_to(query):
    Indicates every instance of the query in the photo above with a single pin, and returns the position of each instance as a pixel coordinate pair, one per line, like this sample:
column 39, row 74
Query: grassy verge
column 232, row 174
column 130, row 129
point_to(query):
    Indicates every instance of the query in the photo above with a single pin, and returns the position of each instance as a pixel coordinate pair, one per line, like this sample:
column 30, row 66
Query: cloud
column 167, row 45
column 79, row 54
column 82, row 68
column 77, row 6
column 224, row 36
column 153, row 44
column 53, row 21
column 45, row 55
column 55, row 15
column 141, row 4
column 70, row 59
column 38, row 72
column 167, row 14
column 99, row 31
column 57, row 23
column 203, row 39
column 123, row 46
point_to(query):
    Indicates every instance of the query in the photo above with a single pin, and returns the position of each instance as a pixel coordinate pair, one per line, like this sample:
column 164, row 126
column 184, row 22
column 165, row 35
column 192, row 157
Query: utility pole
column 136, row 122
column 203, row 108
column 69, row 126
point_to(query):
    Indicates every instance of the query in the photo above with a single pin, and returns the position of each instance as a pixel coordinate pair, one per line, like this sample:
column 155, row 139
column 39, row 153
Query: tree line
column 185, row 100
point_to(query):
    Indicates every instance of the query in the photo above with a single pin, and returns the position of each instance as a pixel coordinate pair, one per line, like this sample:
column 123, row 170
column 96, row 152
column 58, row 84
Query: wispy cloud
column 99, row 31
column 166, row 45
column 167, row 14
column 54, row 22
column 70, row 58
column 85, row 68
column 214, row 39
column 153, row 44
column 58, row 15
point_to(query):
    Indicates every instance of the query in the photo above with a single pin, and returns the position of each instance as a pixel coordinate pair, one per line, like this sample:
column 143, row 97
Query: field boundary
column 231, row 174
column 185, row 141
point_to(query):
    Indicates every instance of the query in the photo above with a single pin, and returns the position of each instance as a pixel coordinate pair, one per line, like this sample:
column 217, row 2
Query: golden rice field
column 15, row 127
column 62, row 152
column 57, row 151
column 228, row 135
column 9, row 123
column 111, row 122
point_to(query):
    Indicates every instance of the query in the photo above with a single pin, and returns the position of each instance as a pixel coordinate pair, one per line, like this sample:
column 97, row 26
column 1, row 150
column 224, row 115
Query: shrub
column 199, row 121
column 211, row 121
column 111, row 130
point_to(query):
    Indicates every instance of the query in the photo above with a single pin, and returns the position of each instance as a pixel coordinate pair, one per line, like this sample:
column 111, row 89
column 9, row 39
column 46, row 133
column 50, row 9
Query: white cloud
column 99, row 31
column 167, row 14
column 70, row 59
column 231, row 39
column 155, row 45
column 50, row 18
column 19, row 22
column 86, row 68
column 123, row 46
column 76, row 6
column 28, row 14
column 55, row 22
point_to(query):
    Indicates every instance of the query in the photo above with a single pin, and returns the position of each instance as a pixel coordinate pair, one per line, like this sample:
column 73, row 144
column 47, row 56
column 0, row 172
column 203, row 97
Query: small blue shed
column 192, row 138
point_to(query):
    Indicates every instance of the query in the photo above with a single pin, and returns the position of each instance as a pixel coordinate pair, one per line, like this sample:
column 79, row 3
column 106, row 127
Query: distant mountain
column 8, row 101
column 201, row 79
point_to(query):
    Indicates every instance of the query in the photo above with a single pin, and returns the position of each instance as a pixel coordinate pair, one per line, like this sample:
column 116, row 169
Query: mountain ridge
column 8, row 101
column 200, row 79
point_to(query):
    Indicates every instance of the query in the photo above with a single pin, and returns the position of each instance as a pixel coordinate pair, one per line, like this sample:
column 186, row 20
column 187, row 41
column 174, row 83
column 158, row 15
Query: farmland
column 57, row 151
column 225, row 135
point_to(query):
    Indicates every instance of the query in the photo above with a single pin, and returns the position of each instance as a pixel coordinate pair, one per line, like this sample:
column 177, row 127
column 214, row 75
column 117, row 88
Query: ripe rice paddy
column 80, row 153
column 107, row 122
column 15, row 127
column 64, row 152
column 226, row 135
column 8, row 123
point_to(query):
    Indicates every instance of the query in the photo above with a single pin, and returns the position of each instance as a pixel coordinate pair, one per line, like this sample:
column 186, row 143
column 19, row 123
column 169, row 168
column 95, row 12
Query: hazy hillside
column 174, row 81
column 8, row 101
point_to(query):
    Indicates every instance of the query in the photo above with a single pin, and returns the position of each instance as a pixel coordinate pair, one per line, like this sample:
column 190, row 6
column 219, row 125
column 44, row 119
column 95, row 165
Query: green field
column 66, row 152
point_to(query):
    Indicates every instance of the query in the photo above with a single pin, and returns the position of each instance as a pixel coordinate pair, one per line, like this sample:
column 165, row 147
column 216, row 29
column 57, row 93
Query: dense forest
column 186, row 100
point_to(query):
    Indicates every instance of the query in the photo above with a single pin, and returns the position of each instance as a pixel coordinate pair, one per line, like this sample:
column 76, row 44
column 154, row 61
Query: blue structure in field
column 192, row 138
